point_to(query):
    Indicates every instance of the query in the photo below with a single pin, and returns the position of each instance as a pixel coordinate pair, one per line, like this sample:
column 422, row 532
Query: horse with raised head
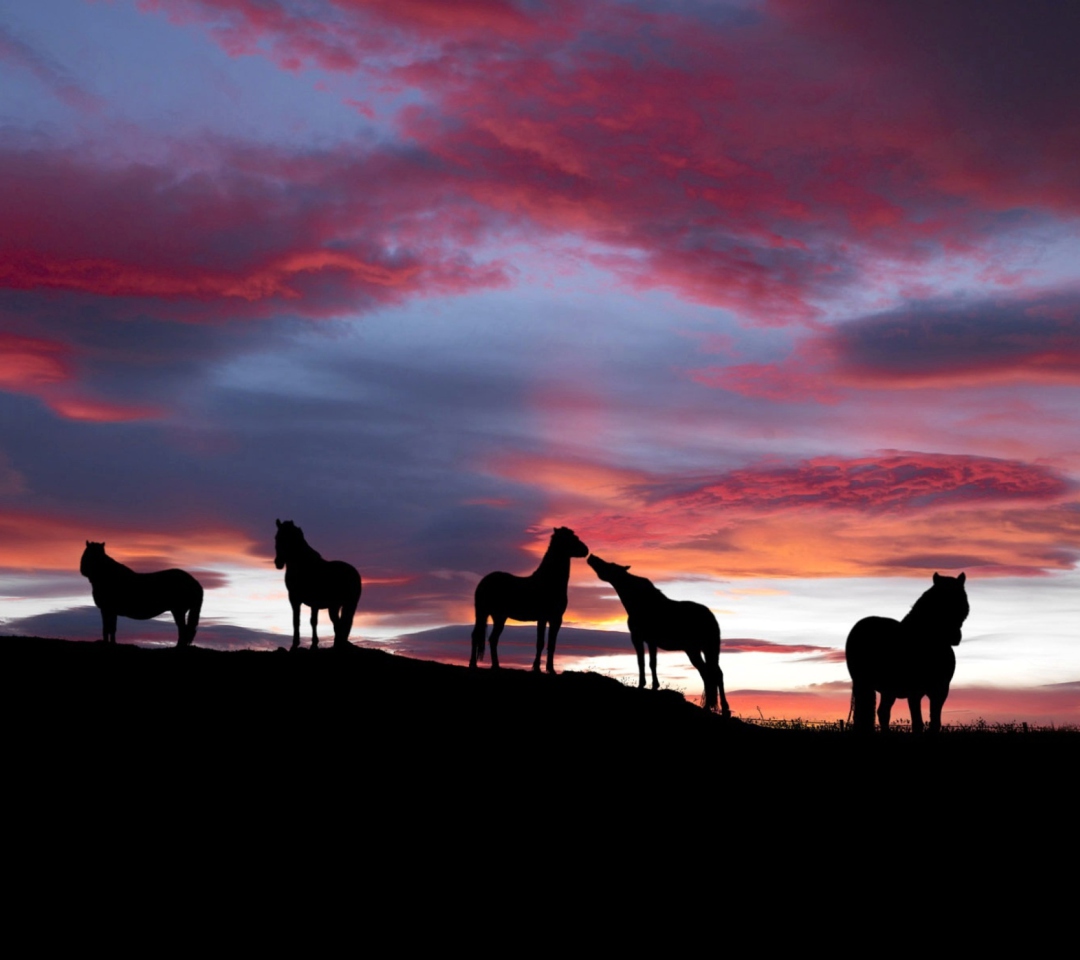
column 657, row 621
column 541, row 596
column 907, row 659
column 120, row 591
column 331, row 585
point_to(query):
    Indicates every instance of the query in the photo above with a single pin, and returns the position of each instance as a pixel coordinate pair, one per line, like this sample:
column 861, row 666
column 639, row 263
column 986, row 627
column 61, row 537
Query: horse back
column 885, row 654
column 675, row 624
column 332, row 583
column 506, row 596
column 142, row 596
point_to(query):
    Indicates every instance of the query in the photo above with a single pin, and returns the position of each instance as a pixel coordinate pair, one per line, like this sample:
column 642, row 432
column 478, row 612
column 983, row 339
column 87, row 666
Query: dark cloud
column 1036, row 340
column 54, row 76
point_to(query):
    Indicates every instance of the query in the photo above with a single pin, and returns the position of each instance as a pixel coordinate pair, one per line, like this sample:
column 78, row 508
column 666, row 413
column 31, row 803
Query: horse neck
column 555, row 567
column 108, row 569
column 636, row 591
column 304, row 555
column 930, row 619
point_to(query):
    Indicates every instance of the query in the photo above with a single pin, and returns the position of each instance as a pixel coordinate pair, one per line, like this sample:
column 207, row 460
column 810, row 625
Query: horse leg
column 345, row 620
column 553, row 632
column 884, row 711
column 937, row 701
column 652, row 666
column 540, row 624
column 639, row 649
column 295, row 623
column 497, row 624
column 864, row 697
column 706, row 677
column 915, row 708
column 178, row 616
column 725, row 710
column 108, row 623
column 314, row 628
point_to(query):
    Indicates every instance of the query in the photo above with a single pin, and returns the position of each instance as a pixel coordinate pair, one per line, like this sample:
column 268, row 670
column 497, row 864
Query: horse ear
column 961, row 578
column 937, row 579
column 88, row 543
column 278, row 522
column 627, row 567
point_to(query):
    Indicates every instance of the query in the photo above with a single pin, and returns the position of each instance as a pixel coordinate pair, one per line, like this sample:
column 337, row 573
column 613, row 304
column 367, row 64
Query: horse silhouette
column 120, row 591
column 909, row 659
column 660, row 622
column 331, row 585
column 541, row 596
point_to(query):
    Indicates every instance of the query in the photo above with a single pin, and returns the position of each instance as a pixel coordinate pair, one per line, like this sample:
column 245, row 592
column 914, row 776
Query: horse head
column 566, row 541
column 950, row 605
column 92, row 558
column 287, row 538
column 608, row 572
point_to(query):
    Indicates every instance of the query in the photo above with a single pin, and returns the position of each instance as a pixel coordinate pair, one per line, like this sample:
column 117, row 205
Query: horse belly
column 509, row 597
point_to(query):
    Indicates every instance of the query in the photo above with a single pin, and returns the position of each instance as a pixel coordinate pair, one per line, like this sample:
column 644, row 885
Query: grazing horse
column 331, row 585
column 908, row 659
column 120, row 591
column 541, row 596
column 667, row 624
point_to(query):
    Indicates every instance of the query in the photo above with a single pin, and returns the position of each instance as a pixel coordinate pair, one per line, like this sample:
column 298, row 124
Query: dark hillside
column 362, row 736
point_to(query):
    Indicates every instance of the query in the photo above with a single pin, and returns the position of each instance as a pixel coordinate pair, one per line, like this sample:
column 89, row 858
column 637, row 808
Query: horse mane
column 103, row 564
column 939, row 603
column 302, row 545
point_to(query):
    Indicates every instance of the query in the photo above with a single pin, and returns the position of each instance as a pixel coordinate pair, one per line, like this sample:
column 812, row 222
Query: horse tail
column 192, row 623
column 344, row 623
column 859, row 652
column 479, row 637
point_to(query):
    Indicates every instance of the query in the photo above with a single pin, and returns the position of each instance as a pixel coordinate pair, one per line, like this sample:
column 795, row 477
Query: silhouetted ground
column 358, row 753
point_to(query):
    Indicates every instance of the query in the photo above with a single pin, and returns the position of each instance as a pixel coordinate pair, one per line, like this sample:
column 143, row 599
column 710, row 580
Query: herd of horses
column 900, row 659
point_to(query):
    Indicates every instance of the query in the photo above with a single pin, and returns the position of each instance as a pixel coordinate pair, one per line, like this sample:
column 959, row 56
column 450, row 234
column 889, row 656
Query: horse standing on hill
column 541, row 596
column 330, row 585
column 120, row 591
column 909, row 659
column 660, row 622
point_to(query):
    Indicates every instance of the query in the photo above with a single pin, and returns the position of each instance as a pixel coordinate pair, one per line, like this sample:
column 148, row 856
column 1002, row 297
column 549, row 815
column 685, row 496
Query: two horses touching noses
column 907, row 659
column 653, row 619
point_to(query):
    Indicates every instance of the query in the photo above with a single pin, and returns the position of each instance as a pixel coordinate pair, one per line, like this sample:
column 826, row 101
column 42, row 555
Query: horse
column 660, row 622
column 541, row 596
column 331, row 585
column 909, row 659
column 120, row 591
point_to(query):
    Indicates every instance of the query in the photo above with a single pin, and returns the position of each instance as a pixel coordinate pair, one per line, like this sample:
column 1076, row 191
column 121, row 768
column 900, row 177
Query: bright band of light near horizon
column 776, row 302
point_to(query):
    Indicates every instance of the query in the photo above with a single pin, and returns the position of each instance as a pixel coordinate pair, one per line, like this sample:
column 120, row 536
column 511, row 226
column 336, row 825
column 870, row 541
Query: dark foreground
column 363, row 747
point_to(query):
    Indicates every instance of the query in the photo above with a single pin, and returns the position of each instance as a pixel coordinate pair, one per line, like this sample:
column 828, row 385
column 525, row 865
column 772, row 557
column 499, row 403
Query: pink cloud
column 575, row 119
column 319, row 235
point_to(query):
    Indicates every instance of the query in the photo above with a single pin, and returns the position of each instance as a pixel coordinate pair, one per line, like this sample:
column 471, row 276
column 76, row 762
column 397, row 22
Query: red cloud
column 898, row 481
column 890, row 515
column 28, row 364
column 45, row 369
column 322, row 236
column 760, row 169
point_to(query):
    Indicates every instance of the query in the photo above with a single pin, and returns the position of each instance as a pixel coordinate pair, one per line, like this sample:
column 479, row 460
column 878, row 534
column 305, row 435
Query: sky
column 775, row 301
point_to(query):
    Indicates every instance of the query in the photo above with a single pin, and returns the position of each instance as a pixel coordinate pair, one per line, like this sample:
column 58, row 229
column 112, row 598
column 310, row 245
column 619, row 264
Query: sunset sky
column 777, row 301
